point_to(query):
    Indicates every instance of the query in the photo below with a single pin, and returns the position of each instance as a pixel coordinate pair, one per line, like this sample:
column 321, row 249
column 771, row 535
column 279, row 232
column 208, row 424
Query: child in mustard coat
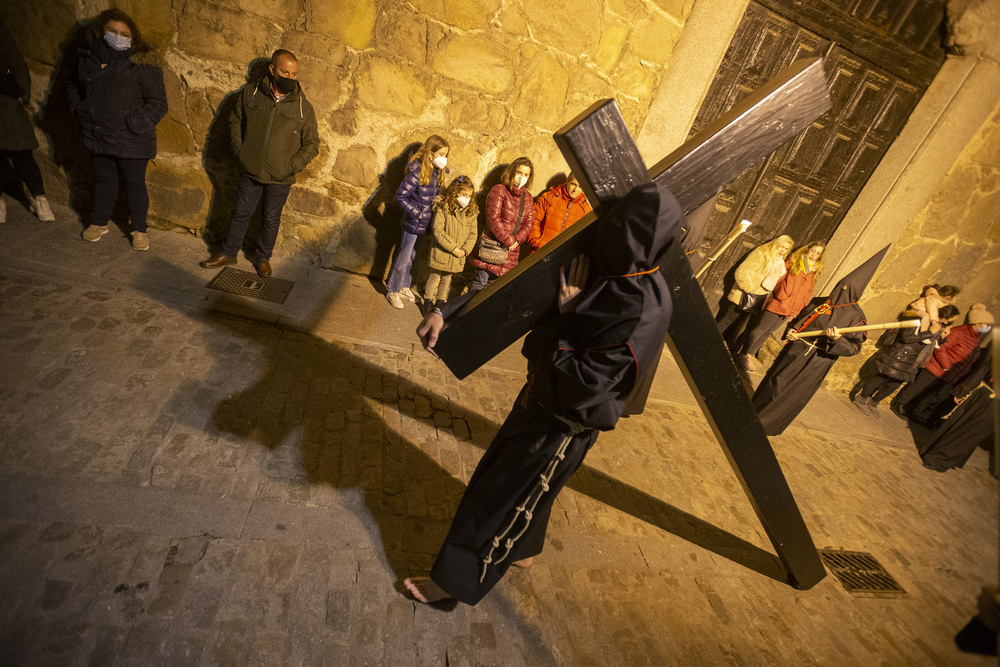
column 453, row 237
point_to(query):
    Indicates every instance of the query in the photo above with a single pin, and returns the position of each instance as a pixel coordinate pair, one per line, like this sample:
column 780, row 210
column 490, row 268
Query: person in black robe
column 802, row 365
column 970, row 424
column 582, row 366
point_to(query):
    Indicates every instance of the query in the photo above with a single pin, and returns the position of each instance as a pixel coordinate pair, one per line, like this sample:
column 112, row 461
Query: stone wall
column 495, row 77
column 954, row 240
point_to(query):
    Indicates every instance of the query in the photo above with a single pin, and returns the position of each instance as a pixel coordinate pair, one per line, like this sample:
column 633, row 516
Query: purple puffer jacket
column 416, row 199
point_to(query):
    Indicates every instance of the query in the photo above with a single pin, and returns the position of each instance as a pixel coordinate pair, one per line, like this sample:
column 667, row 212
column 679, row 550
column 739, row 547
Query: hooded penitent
column 581, row 367
column 803, row 364
column 620, row 323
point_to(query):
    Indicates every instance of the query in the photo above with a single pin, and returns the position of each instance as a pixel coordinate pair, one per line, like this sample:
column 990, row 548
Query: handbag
column 750, row 303
column 492, row 251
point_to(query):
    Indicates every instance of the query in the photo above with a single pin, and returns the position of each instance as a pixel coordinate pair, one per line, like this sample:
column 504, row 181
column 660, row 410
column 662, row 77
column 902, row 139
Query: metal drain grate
column 249, row 284
column 861, row 574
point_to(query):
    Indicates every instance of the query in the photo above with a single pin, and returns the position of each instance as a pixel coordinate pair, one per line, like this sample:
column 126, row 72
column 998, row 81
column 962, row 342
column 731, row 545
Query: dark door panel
column 805, row 188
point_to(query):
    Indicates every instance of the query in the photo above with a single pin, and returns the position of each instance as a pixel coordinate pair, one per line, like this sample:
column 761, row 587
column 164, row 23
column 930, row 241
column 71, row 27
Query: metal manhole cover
column 249, row 284
column 860, row 573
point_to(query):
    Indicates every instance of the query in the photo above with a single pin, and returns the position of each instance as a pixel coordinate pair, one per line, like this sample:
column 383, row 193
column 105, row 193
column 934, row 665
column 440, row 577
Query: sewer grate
column 249, row 284
column 861, row 574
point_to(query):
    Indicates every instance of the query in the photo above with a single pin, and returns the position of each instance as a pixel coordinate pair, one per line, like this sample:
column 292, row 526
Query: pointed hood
column 633, row 235
column 852, row 286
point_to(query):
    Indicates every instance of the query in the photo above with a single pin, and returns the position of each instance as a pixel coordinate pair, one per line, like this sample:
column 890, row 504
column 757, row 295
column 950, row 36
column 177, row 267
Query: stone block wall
column 495, row 77
column 954, row 240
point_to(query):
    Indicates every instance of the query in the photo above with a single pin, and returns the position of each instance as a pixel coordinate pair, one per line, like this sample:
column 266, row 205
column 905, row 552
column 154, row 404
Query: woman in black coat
column 117, row 96
column 902, row 354
column 17, row 134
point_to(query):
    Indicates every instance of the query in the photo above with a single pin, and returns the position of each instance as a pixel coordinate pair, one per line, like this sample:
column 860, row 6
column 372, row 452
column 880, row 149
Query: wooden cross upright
column 600, row 150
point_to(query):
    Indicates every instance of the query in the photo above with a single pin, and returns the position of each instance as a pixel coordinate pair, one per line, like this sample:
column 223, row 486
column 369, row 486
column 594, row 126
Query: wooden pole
column 867, row 327
column 733, row 235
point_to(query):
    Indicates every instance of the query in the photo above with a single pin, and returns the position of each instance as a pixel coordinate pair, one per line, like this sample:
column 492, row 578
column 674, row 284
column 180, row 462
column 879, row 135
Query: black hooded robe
column 802, row 365
column 581, row 368
column 971, row 423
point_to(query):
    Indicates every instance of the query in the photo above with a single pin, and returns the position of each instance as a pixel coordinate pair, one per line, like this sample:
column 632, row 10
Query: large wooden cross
column 600, row 150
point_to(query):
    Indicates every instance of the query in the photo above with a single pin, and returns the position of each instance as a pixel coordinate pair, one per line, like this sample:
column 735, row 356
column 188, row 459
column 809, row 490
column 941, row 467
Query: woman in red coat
column 950, row 364
column 791, row 294
column 510, row 217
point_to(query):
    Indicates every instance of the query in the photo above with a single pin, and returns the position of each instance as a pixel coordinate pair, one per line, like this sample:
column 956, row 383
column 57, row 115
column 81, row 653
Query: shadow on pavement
column 329, row 416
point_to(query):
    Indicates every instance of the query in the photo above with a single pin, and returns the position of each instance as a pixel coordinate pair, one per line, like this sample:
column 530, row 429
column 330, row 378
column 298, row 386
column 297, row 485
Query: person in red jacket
column 949, row 364
column 791, row 294
column 556, row 209
column 510, row 217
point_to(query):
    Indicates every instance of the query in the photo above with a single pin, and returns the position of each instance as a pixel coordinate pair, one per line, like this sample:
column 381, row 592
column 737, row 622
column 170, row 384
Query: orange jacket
column 554, row 212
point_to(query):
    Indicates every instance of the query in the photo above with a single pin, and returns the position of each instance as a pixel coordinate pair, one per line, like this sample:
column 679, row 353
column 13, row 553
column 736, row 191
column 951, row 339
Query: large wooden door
column 880, row 57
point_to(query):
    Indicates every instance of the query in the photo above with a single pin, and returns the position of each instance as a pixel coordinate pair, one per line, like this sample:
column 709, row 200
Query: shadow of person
column 382, row 212
column 555, row 180
column 220, row 164
column 60, row 127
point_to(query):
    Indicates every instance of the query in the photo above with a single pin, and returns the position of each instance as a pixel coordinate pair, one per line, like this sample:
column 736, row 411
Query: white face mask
column 440, row 162
column 116, row 41
column 519, row 181
column 463, row 201
column 983, row 328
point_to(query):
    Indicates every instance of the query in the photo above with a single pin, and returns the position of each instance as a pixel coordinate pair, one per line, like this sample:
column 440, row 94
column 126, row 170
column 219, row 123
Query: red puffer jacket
column 501, row 216
column 959, row 344
column 792, row 293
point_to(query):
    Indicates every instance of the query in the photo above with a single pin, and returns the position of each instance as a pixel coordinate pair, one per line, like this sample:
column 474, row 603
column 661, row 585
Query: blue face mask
column 117, row 42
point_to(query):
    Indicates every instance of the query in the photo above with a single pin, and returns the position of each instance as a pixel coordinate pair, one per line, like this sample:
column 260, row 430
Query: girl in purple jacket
column 415, row 195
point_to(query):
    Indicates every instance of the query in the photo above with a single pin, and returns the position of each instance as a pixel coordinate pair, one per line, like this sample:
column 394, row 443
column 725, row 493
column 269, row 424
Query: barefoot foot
column 426, row 591
column 524, row 562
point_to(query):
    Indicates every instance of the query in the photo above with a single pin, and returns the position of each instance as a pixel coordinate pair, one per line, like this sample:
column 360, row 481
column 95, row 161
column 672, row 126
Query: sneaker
column 394, row 299
column 408, row 294
column 39, row 207
column 861, row 403
column 743, row 361
column 94, row 233
column 3, row 209
column 873, row 409
column 140, row 241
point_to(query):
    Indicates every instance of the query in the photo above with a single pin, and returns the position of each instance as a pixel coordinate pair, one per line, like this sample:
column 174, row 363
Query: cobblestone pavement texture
column 186, row 486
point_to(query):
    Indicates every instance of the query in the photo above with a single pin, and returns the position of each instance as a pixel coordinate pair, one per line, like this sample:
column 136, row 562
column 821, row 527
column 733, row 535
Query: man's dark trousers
column 249, row 193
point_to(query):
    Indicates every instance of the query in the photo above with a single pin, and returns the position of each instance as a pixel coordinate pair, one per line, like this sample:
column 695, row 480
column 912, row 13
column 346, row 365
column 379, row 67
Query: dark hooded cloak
column 581, row 367
column 970, row 424
column 803, row 364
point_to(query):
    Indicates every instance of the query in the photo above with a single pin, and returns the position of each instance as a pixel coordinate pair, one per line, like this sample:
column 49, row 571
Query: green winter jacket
column 273, row 141
column 451, row 231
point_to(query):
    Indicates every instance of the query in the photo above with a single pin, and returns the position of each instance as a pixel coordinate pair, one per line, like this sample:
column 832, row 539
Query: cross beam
column 712, row 159
column 600, row 149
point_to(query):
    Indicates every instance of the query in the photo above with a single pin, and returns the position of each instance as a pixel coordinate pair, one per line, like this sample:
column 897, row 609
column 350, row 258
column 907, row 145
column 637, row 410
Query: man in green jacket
column 274, row 136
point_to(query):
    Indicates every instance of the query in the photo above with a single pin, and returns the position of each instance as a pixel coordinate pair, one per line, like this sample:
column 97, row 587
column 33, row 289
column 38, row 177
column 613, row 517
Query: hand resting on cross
column 429, row 329
column 571, row 288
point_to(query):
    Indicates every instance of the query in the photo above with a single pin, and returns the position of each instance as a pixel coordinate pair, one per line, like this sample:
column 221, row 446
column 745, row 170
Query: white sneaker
column 394, row 299
column 3, row 209
column 39, row 206
column 408, row 294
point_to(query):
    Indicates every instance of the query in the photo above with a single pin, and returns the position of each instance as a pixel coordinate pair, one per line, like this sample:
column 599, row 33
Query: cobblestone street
column 187, row 486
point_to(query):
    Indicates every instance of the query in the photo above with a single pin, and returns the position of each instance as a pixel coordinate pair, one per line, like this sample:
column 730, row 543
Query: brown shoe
column 215, row 261
column 264, row 269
